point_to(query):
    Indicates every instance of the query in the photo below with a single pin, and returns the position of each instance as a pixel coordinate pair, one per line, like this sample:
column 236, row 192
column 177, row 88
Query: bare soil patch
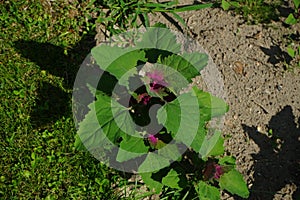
column 262, row 125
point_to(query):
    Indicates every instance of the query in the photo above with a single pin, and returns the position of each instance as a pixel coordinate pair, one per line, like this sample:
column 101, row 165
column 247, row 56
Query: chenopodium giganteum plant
column 146, row 117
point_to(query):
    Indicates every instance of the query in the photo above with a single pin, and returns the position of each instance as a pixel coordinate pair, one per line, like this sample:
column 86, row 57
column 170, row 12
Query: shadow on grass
column 278, row 162
column 52, row 102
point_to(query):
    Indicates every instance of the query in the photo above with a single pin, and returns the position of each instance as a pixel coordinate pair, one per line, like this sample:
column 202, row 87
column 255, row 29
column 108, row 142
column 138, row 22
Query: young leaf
column 207, row 192
column 171, row 77
column 291, row 52
column 225, row 5
column 233, row 182
column 290, row 19
column 227, row 160
column 174, row 180
column 297, row 4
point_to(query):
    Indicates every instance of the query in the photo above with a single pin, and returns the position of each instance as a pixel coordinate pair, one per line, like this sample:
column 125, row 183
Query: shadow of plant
column 53, row 102
column 276, row 55
column 278, row 162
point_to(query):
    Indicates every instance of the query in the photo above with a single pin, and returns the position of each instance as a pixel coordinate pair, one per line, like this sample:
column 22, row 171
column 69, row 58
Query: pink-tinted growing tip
column 152, row 139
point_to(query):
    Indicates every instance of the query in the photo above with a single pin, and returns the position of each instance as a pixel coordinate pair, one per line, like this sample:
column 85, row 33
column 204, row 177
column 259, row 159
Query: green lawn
column 42, row 45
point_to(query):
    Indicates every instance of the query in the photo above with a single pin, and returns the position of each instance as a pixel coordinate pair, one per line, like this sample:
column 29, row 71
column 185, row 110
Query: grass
column 260, row 11
column 42, row 44
column 255, row 11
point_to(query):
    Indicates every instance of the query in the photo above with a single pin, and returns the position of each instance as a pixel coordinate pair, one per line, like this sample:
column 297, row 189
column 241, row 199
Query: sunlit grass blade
column 160, row 5
column 193, row 7
column 176, row 16
column 146, row 21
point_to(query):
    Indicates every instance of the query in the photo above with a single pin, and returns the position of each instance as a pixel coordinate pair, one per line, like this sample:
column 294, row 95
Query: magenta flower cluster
column 157, row 80
column 152, row 139
column 218, row 171
column 144, row 98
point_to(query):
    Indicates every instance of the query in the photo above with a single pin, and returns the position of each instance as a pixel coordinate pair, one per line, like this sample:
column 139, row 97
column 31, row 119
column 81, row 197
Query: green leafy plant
column 184, row 154
column 122, row 15
column 293, row 18
column 294, row 52
column 254, row 11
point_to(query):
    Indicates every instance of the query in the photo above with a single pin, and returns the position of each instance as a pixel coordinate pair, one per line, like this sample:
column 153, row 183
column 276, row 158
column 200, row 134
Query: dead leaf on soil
column 238, row 67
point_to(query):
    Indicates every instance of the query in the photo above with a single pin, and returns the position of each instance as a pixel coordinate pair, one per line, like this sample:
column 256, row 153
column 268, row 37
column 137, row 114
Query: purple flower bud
column 152, row 139
column 218, row 171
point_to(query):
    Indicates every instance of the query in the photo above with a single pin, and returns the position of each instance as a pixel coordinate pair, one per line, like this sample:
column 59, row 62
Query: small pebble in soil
column 279, row 87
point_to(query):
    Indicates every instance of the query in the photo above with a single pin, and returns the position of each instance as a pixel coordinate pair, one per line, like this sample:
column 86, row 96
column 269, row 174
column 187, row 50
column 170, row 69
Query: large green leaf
column 170, row 152
column 78, row 143
column 120, row 62
column 233, row 182
column 153, row 162
column 105, row 54
column 198, row 60
column 212, row 145
column 106, row 122
column 113, row 118
column 174, row 180
column 90, row 133
column 124, row 155
column 131, row 147
column 199, row 137
column 159, row 38
column 182, row 66
column 151, row 183
column 181, row 118
column 207, row 192
column 209, row 105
